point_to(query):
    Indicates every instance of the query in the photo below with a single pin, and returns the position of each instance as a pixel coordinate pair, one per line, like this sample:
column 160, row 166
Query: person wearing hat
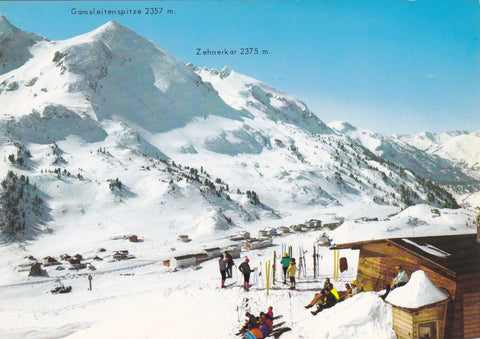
column 285, row 263
column 246, row 270
column 353, row 284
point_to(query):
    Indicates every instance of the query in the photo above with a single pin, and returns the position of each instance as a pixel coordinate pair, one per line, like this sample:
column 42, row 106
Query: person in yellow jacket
column 291, row 273
column 333, row 291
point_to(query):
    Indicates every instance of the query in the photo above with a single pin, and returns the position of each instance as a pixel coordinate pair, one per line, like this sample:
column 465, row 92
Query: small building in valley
column 183, row 261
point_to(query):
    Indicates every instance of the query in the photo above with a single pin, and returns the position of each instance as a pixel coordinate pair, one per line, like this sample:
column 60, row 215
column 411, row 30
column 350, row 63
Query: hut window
column 427, row 330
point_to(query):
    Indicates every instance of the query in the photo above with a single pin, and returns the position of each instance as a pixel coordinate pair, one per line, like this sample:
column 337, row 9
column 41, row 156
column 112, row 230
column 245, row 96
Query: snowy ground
column 141, row 298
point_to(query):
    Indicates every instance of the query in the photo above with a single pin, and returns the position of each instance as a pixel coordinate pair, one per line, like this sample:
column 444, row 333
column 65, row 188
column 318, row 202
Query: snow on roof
column 429, row 249
column 418, row 292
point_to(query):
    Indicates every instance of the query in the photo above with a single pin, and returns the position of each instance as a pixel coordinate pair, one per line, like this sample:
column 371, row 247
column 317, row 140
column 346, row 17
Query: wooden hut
column 422, row 322
column 419, row 308
column 451, row 262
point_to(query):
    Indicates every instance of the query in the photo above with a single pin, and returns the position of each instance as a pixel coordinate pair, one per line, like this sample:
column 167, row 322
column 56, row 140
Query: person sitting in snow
column 318, row 298
column 291, row 273
column 285, row 263
column 251, row 319
column 264, row 327
column 333, row 291
column 267, row 320
column 246, row 270
column 252, row 333
column 328, row 302
column 400, row 279
column 348, row 293
column 355, row 290
column 270, row 312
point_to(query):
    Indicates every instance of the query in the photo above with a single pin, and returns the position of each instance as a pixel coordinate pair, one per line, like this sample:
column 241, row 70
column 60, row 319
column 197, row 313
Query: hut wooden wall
column 405, row 321
column 377, row 262
column 402, row 322
column 467, row 306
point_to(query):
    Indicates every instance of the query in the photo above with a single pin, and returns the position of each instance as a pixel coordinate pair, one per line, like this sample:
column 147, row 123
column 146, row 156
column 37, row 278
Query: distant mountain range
column 108, row 121
column 451, row 158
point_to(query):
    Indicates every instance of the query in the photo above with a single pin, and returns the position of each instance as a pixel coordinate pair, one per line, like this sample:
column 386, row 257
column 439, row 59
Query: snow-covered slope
column 14, row 47
column 447, row 159
column 461, row 147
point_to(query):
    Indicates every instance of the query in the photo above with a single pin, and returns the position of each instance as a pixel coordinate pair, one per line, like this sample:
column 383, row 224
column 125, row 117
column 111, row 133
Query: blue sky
column 392, row 66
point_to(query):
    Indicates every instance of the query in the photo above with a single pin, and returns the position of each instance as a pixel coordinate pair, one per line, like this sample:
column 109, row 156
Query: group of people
column 225, row 264
column 326, row 298
column 329, row 296
column 258, row 327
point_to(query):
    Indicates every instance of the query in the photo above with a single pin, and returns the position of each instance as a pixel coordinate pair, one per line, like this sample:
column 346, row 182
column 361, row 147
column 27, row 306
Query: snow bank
column 418, row 292
column 362, row 316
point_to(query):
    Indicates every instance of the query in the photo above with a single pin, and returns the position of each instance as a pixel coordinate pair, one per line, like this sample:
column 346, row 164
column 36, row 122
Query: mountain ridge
column 221, row 149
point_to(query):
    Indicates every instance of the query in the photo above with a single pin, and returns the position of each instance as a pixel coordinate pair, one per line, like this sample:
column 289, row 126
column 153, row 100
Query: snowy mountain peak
column 457, row 133
column 113, row 29
column 14, row 46
column 6, row 27
column 225, row 72
column 342, row 126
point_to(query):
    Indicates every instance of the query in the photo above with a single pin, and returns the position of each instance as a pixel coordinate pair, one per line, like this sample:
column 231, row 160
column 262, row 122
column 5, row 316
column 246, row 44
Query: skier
column 291, row 273
column 230, row 263
column 223, row 268
column 285, row 263
column 246, row 270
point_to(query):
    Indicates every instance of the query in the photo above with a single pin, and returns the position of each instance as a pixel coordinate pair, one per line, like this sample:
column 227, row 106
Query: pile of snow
column 418, row 292
column 362, row 316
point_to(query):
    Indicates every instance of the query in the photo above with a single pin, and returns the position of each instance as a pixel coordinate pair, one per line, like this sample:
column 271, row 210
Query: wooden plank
column 471, row 314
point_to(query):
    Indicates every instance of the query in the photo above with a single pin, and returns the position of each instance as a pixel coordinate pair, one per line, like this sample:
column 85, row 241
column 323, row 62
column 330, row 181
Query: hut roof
column 418, row 292
column 457, row 253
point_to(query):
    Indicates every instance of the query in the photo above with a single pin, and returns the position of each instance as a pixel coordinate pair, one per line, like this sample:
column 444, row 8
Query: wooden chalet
column 451, row 262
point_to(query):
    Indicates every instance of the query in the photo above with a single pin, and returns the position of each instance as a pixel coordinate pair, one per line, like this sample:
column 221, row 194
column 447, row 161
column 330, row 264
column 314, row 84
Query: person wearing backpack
column 285, row 263
column 246, row 270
